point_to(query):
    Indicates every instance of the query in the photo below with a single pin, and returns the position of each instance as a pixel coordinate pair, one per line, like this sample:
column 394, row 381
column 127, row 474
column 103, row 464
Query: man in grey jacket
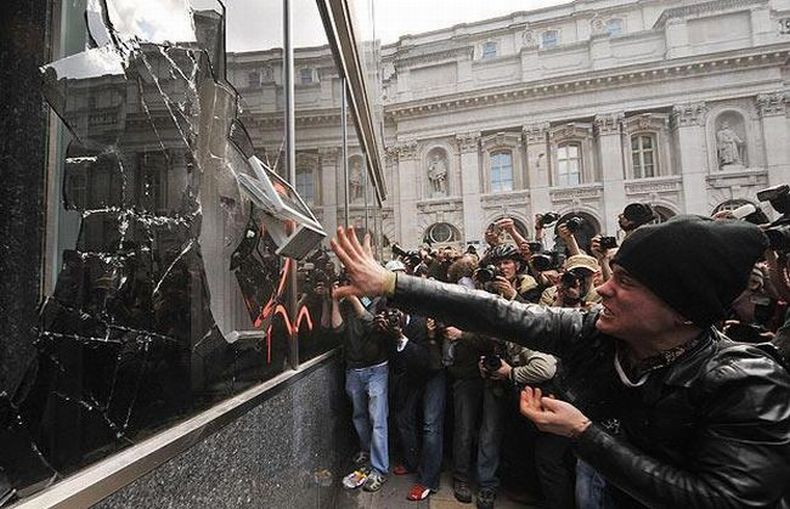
column 704, row 422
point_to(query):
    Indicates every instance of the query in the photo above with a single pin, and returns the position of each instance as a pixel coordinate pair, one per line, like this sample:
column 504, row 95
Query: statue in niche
column 728, row 145
column 437, row 174
column 355, row 181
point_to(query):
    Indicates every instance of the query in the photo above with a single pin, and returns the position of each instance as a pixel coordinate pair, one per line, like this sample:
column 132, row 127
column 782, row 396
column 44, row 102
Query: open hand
column 551, row 415
column 366, row 276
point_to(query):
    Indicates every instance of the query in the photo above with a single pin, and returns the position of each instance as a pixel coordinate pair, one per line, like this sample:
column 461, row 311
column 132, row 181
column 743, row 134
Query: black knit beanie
column 695, row 264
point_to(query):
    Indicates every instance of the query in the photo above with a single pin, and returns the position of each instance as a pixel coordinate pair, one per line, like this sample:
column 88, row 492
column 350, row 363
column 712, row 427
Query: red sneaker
column 400, row 469
column 418, row 492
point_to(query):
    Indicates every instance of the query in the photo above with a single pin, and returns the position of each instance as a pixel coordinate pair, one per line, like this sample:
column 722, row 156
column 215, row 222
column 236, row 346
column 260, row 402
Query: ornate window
column 569, row 164
column 644, row 155
column 614, row 27
column 441, row 233
column 501, row 171
column 489, row 50
column 549, row 39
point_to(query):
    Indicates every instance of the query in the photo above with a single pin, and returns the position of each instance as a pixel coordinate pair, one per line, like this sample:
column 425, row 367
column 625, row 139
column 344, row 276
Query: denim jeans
column 427, row 464
column 470, row 397
column 591, row 491
column 367, row 388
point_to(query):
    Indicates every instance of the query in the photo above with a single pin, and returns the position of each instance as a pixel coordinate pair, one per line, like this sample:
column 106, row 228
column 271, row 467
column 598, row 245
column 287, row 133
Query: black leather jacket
column 712, row 429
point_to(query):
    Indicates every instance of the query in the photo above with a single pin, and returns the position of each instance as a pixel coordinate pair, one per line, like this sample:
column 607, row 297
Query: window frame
column 564, row 146
column 637, row 171
column 546, row 43
column 619, row 24
column 485, row 54
column 494, row 156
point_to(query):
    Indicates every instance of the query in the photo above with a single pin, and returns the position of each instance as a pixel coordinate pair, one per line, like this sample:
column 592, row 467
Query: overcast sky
column 251, row 22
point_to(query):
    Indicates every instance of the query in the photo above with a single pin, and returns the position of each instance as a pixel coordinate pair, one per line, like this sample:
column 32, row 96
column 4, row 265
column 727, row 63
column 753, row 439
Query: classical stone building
column 583, row 108
column 579, row 108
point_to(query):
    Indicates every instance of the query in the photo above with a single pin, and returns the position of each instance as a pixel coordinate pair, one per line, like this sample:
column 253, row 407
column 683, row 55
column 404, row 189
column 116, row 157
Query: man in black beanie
column 704, row 422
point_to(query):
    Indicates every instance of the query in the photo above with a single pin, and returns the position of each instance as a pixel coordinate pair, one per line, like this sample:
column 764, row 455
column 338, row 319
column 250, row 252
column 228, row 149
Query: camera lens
column 492, row 362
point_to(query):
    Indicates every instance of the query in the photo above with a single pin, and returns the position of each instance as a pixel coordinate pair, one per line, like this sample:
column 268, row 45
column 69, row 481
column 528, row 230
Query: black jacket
column 712, row 429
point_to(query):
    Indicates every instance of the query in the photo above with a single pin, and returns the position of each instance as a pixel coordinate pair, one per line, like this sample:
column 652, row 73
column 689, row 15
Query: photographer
column 703, row 421
column 575, row 288
column 603, row 248
column 499, row 274
column 366, row 349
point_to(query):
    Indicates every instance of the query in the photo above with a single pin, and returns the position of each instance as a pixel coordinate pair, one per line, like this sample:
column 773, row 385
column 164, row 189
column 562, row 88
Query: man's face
column 507, row 268
column 632, row 312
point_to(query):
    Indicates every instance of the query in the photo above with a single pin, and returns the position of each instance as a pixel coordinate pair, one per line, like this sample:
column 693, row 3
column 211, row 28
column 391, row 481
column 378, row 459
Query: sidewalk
column 393, row 496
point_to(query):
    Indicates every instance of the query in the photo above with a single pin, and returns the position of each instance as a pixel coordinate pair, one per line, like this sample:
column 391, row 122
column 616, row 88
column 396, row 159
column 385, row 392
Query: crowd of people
column 652, row 373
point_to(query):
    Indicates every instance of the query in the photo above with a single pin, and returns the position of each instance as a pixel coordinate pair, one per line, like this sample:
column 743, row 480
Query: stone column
column 468, row 148
column 776, row 133
column 610, row 143
column 688, row 122
column 537, row 168
column 406, row 179
column 329, row 192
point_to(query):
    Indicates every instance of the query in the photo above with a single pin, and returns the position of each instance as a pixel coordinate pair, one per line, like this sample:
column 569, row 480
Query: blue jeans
column 591, row 492
column 367, row 388
column 429, row 463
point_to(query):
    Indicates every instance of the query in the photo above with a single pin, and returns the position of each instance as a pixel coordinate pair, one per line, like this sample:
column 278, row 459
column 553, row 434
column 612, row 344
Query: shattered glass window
column 165, row 294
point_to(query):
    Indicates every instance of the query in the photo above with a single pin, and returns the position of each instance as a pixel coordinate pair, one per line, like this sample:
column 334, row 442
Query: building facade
column 583, row 108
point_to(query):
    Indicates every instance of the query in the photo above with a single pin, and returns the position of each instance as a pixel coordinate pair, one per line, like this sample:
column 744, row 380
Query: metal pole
column 344, row 117
column 290, row 151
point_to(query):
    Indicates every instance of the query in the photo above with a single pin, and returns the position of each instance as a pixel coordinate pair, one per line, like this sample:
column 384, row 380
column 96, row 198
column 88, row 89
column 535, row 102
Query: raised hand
column 366, row 276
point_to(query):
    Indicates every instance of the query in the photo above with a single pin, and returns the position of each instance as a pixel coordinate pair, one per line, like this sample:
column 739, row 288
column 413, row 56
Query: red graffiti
column 275, row 307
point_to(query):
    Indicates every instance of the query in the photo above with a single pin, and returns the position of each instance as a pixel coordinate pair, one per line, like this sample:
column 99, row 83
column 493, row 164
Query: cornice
column 670, row 184
column 503, row 139
column 586, row 82
column 608, row 123
column 702, row 8
column 588, row 192
column 690, row 114
column 468, row 142
column 406, row 150
column 432, row 57
column 535, row 133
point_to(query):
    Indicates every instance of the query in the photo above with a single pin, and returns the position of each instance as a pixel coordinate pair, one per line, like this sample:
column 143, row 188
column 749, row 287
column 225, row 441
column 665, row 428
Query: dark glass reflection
column 170, row 298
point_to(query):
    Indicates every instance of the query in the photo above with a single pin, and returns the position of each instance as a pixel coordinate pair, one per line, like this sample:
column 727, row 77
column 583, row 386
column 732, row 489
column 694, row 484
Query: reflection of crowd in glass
column 404, row 369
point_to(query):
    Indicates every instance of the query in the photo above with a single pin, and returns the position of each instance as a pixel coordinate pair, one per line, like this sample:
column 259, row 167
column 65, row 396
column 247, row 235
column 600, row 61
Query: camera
column 492, row 362
column 779, row 237
column 535, row 247
column 608, row 242
column 778, row 196
column 486, row 273
column 389, row 319
column 411, row 257
column 574, row 223
column 547, row 218
column 544, row 261
column 571, row 278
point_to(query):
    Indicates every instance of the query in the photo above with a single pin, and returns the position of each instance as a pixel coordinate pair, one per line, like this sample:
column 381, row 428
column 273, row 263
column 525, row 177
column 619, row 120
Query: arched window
column 489, row 50
column 569, row 164
column 549, row 39
column 440, row 233
column 644, row 155
column 501, row 171
column 614, row 27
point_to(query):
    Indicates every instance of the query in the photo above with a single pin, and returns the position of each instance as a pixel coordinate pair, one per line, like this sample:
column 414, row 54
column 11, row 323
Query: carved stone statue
column 728, row 145
column 355, row 181
column 437, row 174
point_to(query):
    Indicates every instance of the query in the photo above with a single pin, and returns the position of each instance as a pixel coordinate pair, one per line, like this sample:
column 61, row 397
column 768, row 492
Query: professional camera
column 547, row 260
column 389, row 320
column 547, row 219
column 486, row 273
column 778, row 232
column 492, row 363
column 411, row 257
column 535, row 247
column 608, row 242
column 572, row 277
column 574, row 223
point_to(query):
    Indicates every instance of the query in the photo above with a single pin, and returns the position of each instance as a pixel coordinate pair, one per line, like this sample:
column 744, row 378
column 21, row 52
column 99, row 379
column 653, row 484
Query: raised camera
column 574, row 223
column 486, row 274
column 779, row 238
column 492, row 363
column 543, row 261
column 548, row 218
column 608, row 242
